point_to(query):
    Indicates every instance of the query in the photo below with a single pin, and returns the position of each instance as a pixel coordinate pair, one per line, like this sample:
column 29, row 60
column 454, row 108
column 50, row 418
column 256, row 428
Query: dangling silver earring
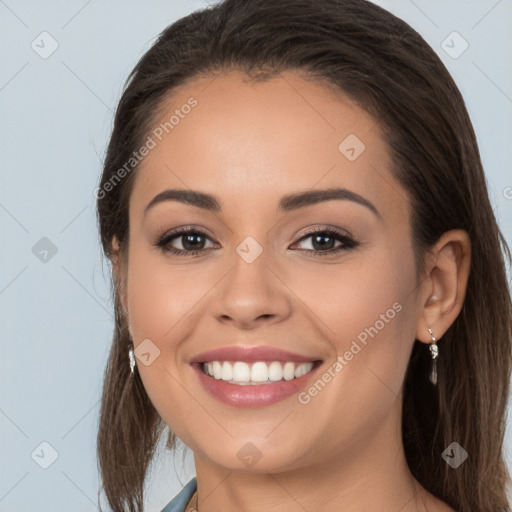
column 434, row 350
column 132, row 360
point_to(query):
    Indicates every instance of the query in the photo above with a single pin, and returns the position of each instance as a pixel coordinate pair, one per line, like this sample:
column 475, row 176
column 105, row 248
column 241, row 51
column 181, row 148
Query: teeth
column 239, row 372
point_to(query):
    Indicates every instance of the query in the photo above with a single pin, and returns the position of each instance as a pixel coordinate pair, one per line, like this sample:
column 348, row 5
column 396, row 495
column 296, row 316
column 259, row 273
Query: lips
column 258, row 395
column 253, row 396
column 251, row 354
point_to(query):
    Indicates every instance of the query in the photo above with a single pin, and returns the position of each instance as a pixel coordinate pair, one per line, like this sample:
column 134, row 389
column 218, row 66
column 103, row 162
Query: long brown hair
column 388, row 69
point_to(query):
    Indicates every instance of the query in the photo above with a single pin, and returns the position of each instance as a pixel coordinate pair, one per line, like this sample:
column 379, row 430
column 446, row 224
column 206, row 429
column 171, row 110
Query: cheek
column 379, row 318
column 357, row 299
column 163, row 302
column 167, row 303
column 367, row 313
column 160, row 295
column 365, row 309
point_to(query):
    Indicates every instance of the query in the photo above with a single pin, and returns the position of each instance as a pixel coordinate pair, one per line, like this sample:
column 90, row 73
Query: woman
column 308, row 276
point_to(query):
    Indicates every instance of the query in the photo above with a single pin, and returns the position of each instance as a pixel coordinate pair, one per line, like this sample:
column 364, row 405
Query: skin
column 250, row 144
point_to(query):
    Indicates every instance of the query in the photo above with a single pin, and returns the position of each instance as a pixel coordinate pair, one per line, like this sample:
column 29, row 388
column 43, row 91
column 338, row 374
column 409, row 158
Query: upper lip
column 250, row 354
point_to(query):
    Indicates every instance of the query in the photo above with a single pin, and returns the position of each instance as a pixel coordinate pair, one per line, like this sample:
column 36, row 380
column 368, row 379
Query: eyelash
column 347, row 240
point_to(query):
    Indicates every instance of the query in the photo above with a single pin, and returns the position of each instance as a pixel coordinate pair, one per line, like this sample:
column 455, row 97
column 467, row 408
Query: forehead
column 251, row 143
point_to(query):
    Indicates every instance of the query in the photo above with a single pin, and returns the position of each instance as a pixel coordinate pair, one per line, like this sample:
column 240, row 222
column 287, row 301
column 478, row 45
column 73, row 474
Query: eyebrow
column 287, row 203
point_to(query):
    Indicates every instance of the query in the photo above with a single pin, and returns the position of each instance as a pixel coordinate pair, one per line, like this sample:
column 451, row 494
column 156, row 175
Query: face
column 330, row 279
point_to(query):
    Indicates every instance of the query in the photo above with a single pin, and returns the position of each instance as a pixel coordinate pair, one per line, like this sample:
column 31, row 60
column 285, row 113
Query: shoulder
column 179, row 502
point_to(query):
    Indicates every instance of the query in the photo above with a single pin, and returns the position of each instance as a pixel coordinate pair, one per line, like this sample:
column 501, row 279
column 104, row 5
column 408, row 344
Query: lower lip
column 253, row 395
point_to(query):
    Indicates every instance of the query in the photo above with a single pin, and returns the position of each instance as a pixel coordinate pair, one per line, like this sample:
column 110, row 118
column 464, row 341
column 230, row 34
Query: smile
column 232, row 381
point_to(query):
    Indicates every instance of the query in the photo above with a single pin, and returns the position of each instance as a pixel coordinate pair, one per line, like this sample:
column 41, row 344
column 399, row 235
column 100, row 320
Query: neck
column 370, row 474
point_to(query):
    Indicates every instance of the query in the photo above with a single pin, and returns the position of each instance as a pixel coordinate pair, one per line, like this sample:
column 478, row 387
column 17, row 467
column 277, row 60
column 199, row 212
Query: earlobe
column 445, row 284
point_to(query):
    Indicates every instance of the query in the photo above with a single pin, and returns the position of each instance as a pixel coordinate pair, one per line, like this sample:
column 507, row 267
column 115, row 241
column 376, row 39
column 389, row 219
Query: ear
column 119, row 271
column 444, row 285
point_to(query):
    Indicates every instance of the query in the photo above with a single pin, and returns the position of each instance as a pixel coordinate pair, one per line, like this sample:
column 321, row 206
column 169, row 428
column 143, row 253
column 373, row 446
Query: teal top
column 180, row 501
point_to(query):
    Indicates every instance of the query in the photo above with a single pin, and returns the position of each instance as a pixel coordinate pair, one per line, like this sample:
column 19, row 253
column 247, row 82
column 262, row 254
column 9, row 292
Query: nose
column 252, row 295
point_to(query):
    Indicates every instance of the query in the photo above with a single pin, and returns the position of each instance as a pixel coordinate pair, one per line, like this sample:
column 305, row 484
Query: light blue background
column 56, row 115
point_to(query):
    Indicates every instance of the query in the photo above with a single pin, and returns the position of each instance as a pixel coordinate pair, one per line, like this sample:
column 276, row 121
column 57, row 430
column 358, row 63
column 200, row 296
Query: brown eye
column 191, row 240
column 323, row 241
